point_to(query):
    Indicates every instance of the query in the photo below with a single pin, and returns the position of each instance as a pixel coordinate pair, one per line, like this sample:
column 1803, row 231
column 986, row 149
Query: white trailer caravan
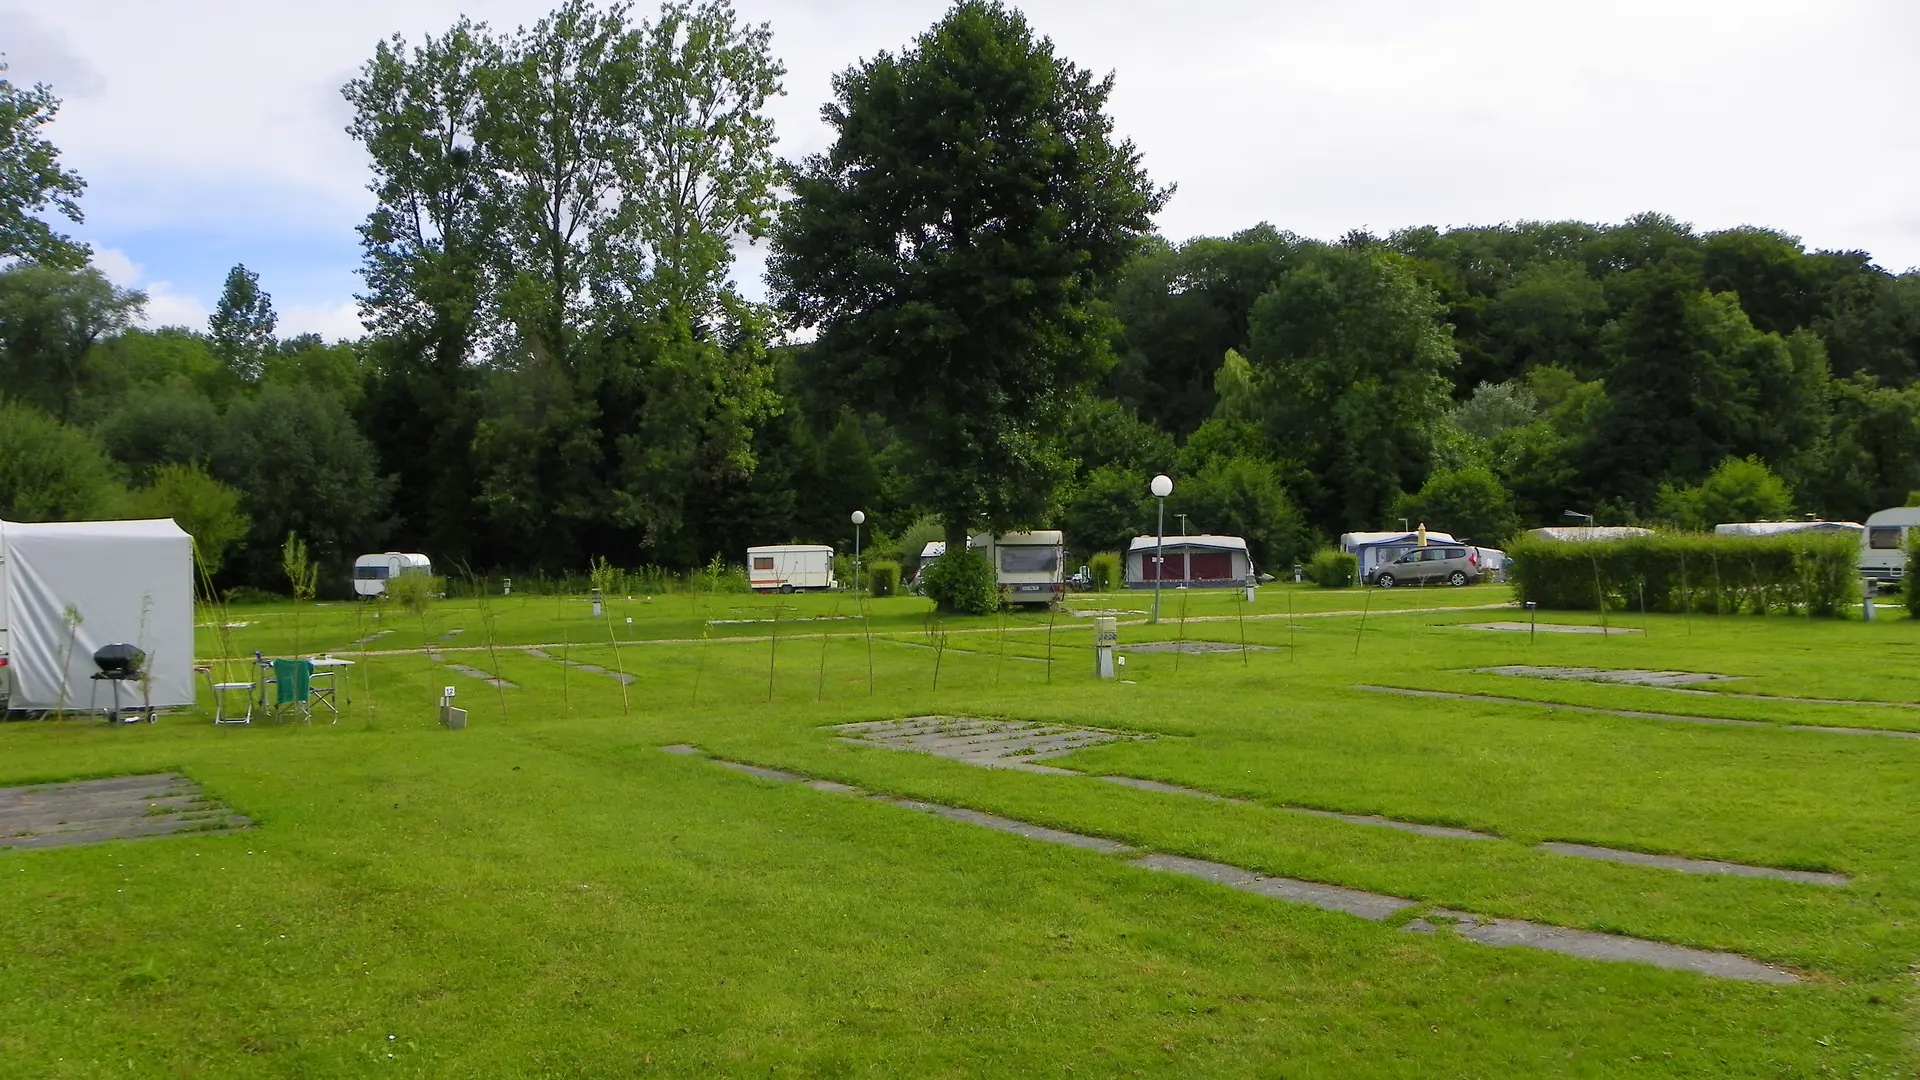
column 372, row 572
column 1028, row 566
column 1883, row 547
column 790, row 568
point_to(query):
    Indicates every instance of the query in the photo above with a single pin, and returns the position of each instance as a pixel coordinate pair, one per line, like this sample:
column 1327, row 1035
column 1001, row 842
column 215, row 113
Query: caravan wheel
column 786, row 589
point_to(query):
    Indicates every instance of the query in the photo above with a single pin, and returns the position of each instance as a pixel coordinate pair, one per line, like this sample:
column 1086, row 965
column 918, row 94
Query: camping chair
column 293, row 687
column 220, row 691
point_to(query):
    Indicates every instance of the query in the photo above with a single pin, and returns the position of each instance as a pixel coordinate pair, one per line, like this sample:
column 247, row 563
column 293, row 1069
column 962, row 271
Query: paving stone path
column 1550, row 628
column 623, row 678
column 1626, row 676
column 471, row 672
column 996, row 744
column 1191, row 648
column 94, row 811
column 1376, row 907
column 1631, row 714
column 990, row 743
column 373, row 637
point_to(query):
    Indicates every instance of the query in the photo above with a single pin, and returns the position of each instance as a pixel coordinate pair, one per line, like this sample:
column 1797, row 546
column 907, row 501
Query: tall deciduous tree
column 950, row 246
column 242, row 325
column 32, row 181
column 1349, row 365
column 50, row 320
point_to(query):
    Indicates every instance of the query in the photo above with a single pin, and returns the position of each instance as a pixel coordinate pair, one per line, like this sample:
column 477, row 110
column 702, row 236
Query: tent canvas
column 128, row 581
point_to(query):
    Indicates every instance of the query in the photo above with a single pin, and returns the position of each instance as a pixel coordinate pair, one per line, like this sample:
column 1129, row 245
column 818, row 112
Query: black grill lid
column 119, row 660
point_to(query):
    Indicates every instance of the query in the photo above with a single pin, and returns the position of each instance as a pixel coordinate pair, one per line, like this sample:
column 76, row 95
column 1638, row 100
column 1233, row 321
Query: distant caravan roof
column 1363, row 539
column 1776, row 528
column 1206, row 541
column 1578, row 534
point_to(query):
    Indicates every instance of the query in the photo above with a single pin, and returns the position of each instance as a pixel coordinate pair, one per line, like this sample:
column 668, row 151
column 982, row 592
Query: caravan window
column 763, row 562
column 1883, row 538
column 370, row 573
column 1029, row 560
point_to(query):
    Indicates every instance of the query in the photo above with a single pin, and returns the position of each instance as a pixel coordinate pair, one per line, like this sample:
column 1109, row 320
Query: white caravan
column 372, row 572
column 1883, row 547
column 790, row 568
column 1028, row 566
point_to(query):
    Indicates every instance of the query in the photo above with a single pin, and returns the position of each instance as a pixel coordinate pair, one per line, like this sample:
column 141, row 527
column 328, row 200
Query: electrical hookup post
column 1106, row 637
column 451, row 718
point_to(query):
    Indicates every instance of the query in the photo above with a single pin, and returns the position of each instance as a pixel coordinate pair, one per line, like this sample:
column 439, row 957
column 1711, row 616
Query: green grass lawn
column 548, row 894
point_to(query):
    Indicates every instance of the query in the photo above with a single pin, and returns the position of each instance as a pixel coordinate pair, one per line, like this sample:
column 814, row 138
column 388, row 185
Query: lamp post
column 859, row 518
column 1577, row 515
column 1161, row 486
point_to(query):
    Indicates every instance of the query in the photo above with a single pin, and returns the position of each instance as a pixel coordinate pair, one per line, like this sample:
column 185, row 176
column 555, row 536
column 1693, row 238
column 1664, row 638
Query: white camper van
column 1883, row 547
column 1028, row 566
column 372, row 572
column 790, row 568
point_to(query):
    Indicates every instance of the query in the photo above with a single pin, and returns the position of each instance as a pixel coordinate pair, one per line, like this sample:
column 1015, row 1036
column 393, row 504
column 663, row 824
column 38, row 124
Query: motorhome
column 372, row 572
column 790, row 568
column 1883, row 547
column 1028, row 566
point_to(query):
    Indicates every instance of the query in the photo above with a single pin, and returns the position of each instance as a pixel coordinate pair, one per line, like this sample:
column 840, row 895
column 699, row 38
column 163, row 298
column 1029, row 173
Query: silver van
column 1452, row 564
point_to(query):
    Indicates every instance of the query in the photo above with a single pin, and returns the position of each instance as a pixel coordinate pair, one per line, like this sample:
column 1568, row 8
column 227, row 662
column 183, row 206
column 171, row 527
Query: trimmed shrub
column 962, row 581
column 1909, row 588
column 1108, row 569
column 1670, row 572
column 883, row 578
column 1332, row 568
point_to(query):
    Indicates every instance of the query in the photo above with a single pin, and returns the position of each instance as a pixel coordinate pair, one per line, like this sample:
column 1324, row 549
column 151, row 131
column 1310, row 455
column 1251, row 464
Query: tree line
column 971, row 324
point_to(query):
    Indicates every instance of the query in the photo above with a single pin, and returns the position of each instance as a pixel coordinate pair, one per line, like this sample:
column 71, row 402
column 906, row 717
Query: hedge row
column 1796, row 573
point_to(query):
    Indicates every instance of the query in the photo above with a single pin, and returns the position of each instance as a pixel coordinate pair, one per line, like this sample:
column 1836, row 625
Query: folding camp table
column 325, row 686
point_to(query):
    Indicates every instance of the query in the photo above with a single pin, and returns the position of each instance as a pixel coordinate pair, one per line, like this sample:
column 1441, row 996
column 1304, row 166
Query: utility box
column 1106, row 638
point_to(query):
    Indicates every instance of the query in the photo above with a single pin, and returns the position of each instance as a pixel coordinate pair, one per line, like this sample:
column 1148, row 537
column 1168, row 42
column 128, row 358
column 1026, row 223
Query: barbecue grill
column 118, row 663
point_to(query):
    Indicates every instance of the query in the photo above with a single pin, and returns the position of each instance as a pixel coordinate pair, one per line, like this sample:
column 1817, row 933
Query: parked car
column 1430, row 566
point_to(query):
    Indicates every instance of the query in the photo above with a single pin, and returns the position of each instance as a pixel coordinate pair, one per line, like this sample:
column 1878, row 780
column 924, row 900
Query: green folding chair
column 293, row 687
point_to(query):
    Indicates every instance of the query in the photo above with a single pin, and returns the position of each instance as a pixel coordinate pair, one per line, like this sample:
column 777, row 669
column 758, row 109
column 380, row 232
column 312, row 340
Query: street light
column 1162, row 486
column 1578, row 515
column 859, row 518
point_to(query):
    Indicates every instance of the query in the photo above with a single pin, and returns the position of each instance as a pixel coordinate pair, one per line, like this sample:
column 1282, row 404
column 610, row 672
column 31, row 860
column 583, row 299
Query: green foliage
column 1107, row 508
column 883, row 578
column 301, row 466
column 171, row 424
column 1909, row 581
column 1468, row 504
column 50, row 471
column 1796, row 572
column 1108, row 570
column 1240, row 496
column 207, row 509
column 242, row 324
column 1331, row 568
column 1008, row 245
column 962, row 581
column 413, row 592
column 1495, row 408
column 50, row 319
column 303, row 577
column 32, row 181
column 1349, row 357
column 1738, row 489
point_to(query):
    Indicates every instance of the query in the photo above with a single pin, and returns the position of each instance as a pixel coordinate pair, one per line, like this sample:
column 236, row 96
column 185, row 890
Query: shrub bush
column 962, row 581
column 883, row 578
column 1332, row 568
column 1804, row 573
column 1909, row 588
column 1108, row 570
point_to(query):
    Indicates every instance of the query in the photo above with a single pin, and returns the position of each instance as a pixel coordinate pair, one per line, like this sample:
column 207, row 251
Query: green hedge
column 962, row 581
column 1796, row 573
column 1107, row 568
column 1332, row 568
column 1910, row 588
column 883, row 578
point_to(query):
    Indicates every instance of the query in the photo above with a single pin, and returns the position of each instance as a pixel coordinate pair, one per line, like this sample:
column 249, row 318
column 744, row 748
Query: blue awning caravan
column 1376, row 548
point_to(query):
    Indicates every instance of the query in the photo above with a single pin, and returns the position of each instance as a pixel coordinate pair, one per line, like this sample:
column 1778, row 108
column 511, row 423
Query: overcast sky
column 211, row 131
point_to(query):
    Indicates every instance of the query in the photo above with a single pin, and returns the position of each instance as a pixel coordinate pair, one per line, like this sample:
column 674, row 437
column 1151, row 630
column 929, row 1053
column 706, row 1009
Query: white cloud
column 165, row 307
column 331, row 323
column 1315, row 115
